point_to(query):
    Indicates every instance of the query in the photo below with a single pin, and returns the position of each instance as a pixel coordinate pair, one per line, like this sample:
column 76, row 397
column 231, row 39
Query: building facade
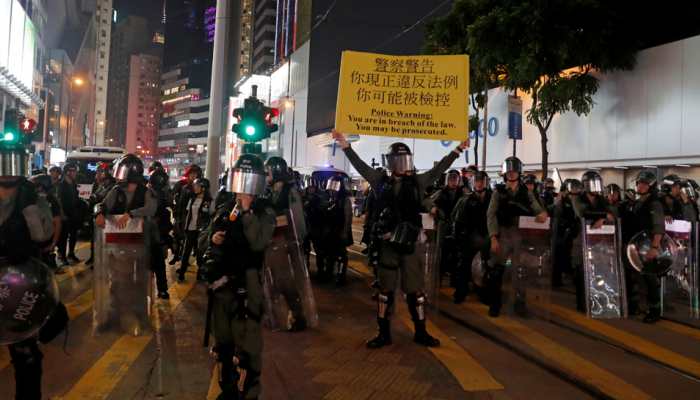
column 184, row 121
column 142, row 119
column 57, row 74
column 263, row 45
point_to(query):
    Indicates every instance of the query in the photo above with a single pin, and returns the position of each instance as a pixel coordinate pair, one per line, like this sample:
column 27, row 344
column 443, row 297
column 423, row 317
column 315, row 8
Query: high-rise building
column 143, row 105
column 264, row 17
column 103, row 29
column 132, row 36
column 58, row 71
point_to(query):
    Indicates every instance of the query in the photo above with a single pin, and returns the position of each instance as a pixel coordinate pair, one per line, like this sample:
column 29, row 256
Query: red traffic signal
column 27, row 125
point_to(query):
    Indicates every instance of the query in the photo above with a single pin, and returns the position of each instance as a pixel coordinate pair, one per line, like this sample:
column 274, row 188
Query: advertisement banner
column 421, row 97
column 515, row 118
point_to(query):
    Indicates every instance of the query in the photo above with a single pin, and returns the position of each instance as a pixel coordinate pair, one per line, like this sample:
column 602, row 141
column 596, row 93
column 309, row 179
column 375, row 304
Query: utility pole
column 218, row 90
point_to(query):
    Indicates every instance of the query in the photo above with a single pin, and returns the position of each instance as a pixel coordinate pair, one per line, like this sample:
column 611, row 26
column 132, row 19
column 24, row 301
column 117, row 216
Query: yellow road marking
column 468, row 372
column 99, row 381
column 629, row 340
column 214, row 389
column 75, row 308
column 571, row 362
column 679, row 328
column 71, row 272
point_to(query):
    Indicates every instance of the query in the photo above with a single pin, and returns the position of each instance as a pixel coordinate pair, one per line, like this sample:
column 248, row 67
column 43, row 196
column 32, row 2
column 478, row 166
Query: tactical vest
column 594, row 211
column 640, row 218
column 404, row 205
column 16, row 244
column 512, row 206
column 239, row 256
column 120, row 205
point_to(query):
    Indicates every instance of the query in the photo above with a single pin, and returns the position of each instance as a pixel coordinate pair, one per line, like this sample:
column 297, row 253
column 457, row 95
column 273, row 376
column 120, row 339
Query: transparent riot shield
column 287, row 287
column 122, row 280
column 603, row 274
column 679, row 287
column 528, row 271
column 429, row 247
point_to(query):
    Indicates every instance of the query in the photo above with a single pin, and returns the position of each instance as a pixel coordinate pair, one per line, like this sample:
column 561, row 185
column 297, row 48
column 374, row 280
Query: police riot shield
column 527, row 275
column 429, row 247
column 287, row 287
column 122, row 280
column 28, row 296
column 603, row 273
column 679, row 287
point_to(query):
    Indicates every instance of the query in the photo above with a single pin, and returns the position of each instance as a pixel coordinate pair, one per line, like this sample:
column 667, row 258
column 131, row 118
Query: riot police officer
column 589, row 206
column 508, row 202
column 337, row 227
column 158, row 182
column 223, row 196
column 677, row 205
column 470, row 232
column 239, row 235
column 315, row 205
column 443, row 203
column 645, row 213
column 104, row 181
column 24, row 227
column 566, row 227
column 42, row 183
column 288, row 205
column 400, row 222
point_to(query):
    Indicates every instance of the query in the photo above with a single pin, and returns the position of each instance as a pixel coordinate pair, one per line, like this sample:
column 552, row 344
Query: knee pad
column 416, row 305
column 385, row 301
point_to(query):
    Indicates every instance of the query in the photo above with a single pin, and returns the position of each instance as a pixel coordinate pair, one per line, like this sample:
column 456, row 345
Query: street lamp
column 74, row 81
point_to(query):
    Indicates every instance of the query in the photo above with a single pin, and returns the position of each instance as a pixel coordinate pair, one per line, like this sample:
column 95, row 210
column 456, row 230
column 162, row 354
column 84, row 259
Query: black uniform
column 445, row 201
column 471, row 235
column 69, row 199
column 644, row 214
column 337, row 235
column 566, row 228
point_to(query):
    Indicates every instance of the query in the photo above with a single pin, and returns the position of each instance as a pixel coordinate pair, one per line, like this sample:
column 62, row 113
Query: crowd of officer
column 265, row 220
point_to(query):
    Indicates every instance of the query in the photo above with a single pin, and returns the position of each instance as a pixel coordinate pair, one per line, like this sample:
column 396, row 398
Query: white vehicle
column 87, row 158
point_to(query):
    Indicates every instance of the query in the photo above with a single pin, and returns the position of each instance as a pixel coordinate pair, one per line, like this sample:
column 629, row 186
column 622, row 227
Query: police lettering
column 26, row 305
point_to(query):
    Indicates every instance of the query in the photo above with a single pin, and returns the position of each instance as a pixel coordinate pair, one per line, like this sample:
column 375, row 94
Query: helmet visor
column 246, row 182
column 398, row 163
column 511, row 164
column 594, row 185
column 334, row 185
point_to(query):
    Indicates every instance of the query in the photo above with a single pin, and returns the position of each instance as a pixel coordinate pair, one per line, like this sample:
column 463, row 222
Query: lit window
column 184, row 122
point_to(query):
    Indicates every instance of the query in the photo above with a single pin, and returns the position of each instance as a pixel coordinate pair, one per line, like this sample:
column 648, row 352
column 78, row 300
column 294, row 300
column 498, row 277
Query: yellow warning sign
column 421, row 97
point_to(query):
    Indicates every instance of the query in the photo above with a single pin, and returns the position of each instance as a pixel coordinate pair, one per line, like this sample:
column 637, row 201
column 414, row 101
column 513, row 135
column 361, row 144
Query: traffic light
column 12, row 135
column 254, row 121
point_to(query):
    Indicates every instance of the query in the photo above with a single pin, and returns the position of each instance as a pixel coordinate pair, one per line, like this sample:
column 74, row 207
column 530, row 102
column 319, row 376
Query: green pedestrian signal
column 254, row 120
column 12, row 136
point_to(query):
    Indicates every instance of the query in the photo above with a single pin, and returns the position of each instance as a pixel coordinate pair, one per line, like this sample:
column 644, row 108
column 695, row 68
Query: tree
column 550, row 49
column 448, row 35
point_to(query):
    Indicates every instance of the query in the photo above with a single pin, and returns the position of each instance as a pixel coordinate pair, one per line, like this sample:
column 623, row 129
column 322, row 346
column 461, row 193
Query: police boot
column 26, row 359
column 340, row 271
column 416, row 307
column 493, row 289
column 580, row 289
column 228, row 375
column 383, row 338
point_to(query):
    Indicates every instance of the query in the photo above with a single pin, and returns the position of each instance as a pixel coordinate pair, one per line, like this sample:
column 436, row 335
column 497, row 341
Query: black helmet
column 128, row 168
column 512, row 164
column 647, row 177
column 398, row 159
column 479, row 176
column 155, row 165
column 247, row 175
column 158, row 179
column 688, row 187
column 278, row 169
column 42, row 181
column 592, row 182
column 612, row 188
column 669, row 181
column 70, row 167
column 530, row 179
column 55, row 168
column 203, row 183
column 456, row 174
column 571, row 185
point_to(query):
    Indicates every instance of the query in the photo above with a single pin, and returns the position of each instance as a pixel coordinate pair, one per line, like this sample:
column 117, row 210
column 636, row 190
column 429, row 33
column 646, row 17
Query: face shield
column 398, row 164
column 593, row 185
column 245, row 181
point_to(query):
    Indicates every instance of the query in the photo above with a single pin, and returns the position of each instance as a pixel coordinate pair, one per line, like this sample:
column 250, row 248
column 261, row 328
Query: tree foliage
column 549, row 49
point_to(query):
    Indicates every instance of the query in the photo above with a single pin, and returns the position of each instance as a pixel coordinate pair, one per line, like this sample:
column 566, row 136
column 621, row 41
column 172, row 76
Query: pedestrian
column 182, row 191
column 67, row 194
column 508, row 202
column 239, row 235
column 196, row 219
column 401, row 198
